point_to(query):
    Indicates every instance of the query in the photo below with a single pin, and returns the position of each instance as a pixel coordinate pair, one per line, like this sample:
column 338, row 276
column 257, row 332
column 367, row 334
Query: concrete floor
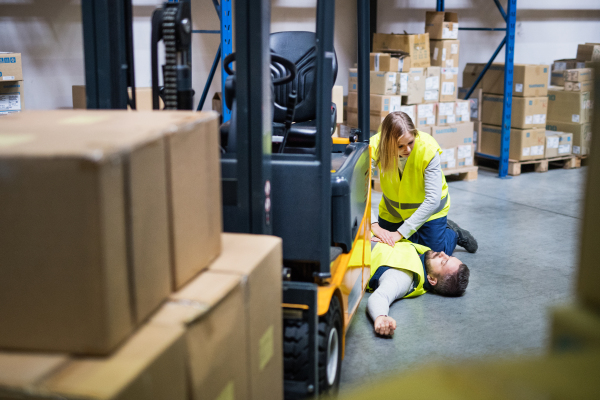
column 527, row 228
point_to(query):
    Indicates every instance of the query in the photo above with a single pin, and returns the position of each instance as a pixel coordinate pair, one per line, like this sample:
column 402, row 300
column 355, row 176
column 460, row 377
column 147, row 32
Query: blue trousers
column 434, row 234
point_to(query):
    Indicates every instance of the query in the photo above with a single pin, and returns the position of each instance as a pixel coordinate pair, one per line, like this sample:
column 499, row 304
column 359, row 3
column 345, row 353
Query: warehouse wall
column 546, row 30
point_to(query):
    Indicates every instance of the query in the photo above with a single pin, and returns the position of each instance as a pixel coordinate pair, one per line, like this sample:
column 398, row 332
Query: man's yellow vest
column 404, row 255
column 402, row 197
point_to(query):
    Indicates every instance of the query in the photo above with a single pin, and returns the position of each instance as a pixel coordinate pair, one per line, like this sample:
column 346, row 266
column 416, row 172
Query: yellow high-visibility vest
column 404, row 255
column 402, row 197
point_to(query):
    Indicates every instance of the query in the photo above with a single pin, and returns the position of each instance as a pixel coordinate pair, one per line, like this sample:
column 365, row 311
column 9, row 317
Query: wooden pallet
column 541, row 165
column 462, row 174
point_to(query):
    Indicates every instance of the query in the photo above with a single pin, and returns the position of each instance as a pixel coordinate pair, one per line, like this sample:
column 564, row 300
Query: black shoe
column 465, row 239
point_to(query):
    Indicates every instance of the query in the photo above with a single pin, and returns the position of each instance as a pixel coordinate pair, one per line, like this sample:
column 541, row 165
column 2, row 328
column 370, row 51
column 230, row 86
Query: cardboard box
column 12, row 97
column 387, row 62
column 582, row 134
column 20, row 372
column 462, row 110
column 579, row 86
column 351, row 118
column 527, row 112
column 569, row 106
column 557, row 78
column 446, row 113
column 528, row 80
column 579, row 75
column 455, row 139
column 441, row 25
column 417, row 46
column 588, row 52
column 426, row 114
column 143, row 98
column 567, row 63
column 258, row 259
column 477, row 136
column 11, row 68
column 444, row 53
column 217, row 102
column 416, row 83
column 464, row 155
column 470, row 74
column 525, row 144
column 384, row 82
column 574, row 329
column 449, row 84
column 211, row 310
column 337, row 97
column 475, row 102
column 352, row 79
column 558, row 144
column 432, row 84
column 149, row 365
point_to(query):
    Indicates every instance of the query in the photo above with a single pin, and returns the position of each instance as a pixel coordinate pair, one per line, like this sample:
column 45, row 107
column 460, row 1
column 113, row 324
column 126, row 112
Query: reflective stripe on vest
column 392, row 205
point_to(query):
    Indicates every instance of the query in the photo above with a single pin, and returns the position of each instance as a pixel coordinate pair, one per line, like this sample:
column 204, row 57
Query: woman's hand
column 385, row 236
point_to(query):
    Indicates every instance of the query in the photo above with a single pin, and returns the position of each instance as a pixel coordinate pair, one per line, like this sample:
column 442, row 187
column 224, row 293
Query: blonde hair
column 394, row 126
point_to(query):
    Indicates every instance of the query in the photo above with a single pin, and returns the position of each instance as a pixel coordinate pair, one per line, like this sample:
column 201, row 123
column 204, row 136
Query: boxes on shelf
column 527, row 112
column 385, row 83
column 432, row 85
column 582, row 134
column 574, row 328
column 558, row 144
column 568, row 106
column 441, row 25
column 352, row 79
column 528, row 80
column 588, row 52
column 12, row 97
column 557, row 76
column 417, row 46
column 525, row 144
column 11, row 68
column 470, row 74
column 113, row 166
column 579, row 86
column 456, row 142
column 444, row 53
column 449, row 84
column 579, row 75
column 426, row 114
column 389, row 62
column 475, row 102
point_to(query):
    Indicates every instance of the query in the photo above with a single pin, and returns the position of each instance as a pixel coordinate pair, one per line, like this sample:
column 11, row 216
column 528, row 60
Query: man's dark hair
column 453, row 285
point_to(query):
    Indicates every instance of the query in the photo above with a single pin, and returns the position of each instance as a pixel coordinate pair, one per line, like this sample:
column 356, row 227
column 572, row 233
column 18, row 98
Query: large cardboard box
column 528, row 80
column 426, row 116
column 11, row 68
column 525, row 144
column 352, row 79
column 574, row 328
column 143, row 98
column 475, row 101
column 527, row 112
column 417, row 46
column 579, row 75
column 444, row 53
column 470, row 74
column 449, row 84
column 569, row 106
column 384, row 82
column 12, row 97
column 337, row 98
column 446, row 113
column 462, row 110
column 456, row 142
column 558, row 144
column 389, row 62
column 588, row 52
column 582, row 134
column 211, row 310
column 579, row 86
column 441, row 25
column 416, row 83
column 258, row 259
column 432, row 84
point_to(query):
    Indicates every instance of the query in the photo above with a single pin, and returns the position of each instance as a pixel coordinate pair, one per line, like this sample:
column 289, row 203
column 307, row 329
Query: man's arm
column 393, row 285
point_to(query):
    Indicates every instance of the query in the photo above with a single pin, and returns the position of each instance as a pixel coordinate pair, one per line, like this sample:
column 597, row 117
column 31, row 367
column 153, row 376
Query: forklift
column 283, row 172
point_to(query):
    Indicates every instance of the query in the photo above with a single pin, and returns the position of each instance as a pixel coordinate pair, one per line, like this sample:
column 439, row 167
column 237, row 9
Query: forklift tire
column 295, row 350
column 330, row 348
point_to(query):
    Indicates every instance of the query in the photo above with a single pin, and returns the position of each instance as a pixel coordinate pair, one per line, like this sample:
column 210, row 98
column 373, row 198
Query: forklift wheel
column 330, row 348
column 295, row 350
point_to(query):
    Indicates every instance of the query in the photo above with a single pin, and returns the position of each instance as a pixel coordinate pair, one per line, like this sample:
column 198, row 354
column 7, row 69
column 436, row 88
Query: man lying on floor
column 410, row 270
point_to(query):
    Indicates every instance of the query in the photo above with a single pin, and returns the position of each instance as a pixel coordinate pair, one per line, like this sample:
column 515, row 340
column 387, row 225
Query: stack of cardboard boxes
column 470, row 74
column 418, row 74
column 529, row 110
column 12, row 91
column 118, row 283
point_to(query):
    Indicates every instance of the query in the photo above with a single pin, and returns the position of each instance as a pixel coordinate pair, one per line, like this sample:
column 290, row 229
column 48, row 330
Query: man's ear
column 432, row 280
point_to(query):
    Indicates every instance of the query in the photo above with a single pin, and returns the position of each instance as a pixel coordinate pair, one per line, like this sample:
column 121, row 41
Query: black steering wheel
column 287, row 64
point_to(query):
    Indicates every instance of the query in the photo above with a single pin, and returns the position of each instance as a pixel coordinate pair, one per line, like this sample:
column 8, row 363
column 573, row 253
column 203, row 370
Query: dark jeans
column 434, row 234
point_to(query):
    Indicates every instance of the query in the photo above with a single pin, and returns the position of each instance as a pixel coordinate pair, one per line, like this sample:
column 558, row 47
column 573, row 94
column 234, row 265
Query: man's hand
column 385, row 326
column 385, row 236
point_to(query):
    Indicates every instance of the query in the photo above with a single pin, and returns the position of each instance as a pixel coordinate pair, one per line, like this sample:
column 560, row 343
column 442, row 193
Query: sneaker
column 465, row 239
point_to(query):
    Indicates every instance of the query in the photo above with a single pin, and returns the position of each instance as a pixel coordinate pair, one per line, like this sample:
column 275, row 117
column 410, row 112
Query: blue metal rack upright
column 510, row 17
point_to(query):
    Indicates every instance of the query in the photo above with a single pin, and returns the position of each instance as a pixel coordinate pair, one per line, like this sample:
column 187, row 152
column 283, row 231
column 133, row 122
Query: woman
column 415, row 200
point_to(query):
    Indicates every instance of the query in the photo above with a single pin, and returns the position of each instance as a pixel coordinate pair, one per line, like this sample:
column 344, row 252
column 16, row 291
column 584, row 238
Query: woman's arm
column 433, row 194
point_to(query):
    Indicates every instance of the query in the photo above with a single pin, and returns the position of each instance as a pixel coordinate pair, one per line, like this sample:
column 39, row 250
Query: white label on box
column 417, row 78
column 537, row 150
column 560, row 66
column 448, row 88
column 8, row 78
column 529, row 119
column 446, row 108
column 395, row 104
column 452, row 163
column 392, row 77
column 409, row 110
column 465, row 118
column 462, row 107
column 432, row 95
column 519, row 88
column 576, row 150
column 450, row 71
column 432, row 83
column 403, row 83
column 454, row 48
column 425, row 110
column 447, row 155
column 431, row 120
column 564, row 149
column 464, row 151
column 552, row 142
column 449, row 63
column 468, row 161
column 526, row 151
column 10, row 101
column 451, row 119
column 436, row 52
column 575, row 118
column 443, row 54
column 539, row 118
column 377, row 62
